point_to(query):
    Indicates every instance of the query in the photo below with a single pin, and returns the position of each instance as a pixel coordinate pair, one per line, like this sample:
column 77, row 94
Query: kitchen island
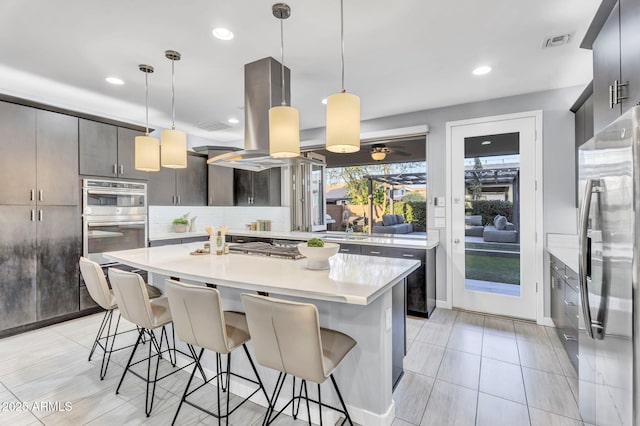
column 362, row 296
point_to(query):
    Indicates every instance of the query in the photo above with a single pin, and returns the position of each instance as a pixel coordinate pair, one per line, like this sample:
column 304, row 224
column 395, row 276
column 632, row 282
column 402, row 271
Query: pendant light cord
column 283, row 102
column 173, row 95
column 146, row 102
column 342, row 40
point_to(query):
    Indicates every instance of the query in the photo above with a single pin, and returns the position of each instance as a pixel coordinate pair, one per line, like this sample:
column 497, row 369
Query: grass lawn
column 493, row 268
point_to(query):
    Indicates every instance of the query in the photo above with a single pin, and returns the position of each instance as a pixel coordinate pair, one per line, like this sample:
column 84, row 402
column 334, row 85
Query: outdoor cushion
column 500, row 222
column 510, row 227
column 473, row 220
column 399, row 218
column 388, row 219
column 491, row 234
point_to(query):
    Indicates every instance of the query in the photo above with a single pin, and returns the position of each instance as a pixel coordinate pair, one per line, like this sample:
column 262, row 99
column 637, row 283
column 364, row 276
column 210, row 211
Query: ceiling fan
column 379, row 152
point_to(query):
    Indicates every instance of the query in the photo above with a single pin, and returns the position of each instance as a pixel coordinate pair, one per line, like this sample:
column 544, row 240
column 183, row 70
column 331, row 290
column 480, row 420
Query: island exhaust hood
column 262, row 90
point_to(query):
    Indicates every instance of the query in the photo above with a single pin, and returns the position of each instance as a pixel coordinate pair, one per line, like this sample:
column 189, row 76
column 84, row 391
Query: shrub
column 490, row 208
column 418, row 212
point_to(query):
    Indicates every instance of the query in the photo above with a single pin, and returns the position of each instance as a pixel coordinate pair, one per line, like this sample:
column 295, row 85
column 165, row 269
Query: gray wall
column 558, row 156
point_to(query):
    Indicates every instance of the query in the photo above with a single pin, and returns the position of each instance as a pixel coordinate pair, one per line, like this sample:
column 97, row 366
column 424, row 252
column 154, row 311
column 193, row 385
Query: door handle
column 115, row 169
column 178, row 199
column 457, row 241
column 592, row 186
column 33, row 215
column 611, row 97
column 40, row 215
column 121, row 169
column 569, row 303
column 32, row 194
column 40, row 195
column 616, row 91
column 569, row 338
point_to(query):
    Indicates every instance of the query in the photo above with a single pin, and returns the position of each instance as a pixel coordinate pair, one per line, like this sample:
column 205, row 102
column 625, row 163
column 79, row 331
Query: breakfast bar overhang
column 361, row 296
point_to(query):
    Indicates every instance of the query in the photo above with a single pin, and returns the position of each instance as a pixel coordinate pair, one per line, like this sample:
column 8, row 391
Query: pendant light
column 284, row 121
column 147, row 149
column 173, row 144
column 343, row 112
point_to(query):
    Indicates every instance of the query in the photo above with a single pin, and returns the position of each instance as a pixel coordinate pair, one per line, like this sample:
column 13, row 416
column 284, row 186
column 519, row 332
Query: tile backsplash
column 160, row 217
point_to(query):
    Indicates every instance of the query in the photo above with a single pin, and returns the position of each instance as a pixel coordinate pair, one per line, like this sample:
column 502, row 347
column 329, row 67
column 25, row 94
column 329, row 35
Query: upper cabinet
column 180, row 187
column 39, row 156
column 257, row 188
column 616, row 64
column 107, row 150
column 220, row 186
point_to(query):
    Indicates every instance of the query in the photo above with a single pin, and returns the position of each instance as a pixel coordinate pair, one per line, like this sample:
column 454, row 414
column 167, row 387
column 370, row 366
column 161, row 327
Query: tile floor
column 460, row 369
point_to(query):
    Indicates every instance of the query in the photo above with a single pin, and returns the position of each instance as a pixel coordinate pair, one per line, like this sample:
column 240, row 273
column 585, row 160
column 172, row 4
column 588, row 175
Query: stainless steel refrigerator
column 609, row 233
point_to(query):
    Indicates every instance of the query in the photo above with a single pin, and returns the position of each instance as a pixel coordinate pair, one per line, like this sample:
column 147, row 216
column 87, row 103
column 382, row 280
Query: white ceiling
column 401, row 56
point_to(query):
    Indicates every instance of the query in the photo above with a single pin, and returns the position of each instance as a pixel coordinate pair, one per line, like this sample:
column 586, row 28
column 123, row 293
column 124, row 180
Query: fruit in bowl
column 318, row 253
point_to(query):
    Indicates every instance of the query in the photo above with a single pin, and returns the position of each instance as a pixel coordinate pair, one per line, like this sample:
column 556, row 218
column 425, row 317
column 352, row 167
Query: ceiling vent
column 558, row 40
column 212, row 126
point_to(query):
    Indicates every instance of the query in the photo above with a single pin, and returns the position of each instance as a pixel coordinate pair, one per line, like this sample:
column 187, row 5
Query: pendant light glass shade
column 343, row 123
column 284, row 121
column 378, row 155
column 284, row 132
column 147, row 154
column 146, row 148
column 173, row 149
column 173, row 146
column 343, row 111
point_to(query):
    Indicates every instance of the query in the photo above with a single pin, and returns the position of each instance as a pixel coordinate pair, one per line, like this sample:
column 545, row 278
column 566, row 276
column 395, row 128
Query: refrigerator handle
column 582, row 263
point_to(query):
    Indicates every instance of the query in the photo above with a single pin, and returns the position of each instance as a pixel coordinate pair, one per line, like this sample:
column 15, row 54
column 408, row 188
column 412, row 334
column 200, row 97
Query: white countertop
column 352, row 279
column 565, row 248
column 339, row 237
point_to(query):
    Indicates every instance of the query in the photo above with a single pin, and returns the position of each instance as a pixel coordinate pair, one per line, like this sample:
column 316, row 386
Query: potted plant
column 180, row 224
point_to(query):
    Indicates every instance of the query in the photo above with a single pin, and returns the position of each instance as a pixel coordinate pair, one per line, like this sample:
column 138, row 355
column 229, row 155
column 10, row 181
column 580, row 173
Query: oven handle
column 114, row 192
column 137, row 222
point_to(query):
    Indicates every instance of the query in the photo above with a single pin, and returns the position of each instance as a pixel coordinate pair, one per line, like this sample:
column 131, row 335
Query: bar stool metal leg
column 344, row 407
column 107, row 315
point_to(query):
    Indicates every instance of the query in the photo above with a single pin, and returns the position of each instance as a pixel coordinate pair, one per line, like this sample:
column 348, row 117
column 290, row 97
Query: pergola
column 392, row 180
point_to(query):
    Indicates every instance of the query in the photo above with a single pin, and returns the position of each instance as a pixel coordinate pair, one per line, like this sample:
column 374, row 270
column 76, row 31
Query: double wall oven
column 114, row 217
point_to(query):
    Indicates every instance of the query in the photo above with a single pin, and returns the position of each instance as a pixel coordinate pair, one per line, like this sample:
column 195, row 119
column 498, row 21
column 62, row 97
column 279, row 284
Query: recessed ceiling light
column 233, row 120
column 324, row 101
column 222, row 34
column 114, row 80
column 482, row 70
column 486, row 142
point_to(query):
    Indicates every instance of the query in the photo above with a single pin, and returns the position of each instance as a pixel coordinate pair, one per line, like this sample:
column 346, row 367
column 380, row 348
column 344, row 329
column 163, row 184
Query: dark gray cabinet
column 57, row 251
column 127, row 154
column 257, row 188
column 17, row 266
column 56, row 159
column 18, row 159
column 583, row 127
column 220, row 186
column 107, row 150
column 174, row 241
column 180, row 187
column 616, row 63
column 565, row 306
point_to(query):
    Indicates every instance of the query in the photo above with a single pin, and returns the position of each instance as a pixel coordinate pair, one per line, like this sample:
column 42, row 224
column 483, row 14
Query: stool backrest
column 198, row 318
column 96, row 283
column 132, row 297
column 285, row 336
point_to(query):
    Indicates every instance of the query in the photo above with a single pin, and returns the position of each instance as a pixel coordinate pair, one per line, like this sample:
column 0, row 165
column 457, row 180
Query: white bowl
column 318, row 257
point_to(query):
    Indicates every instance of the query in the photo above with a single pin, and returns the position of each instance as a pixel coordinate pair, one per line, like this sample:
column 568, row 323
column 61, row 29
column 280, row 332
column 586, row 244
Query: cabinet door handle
column 40, row 195
column 121, row 169
column 616, row 91
column 569, row 303
column 32, row 194
column 374, row 252
column 568, row 338
column 115, row 169
column 344, row 249
column 40, row 215
column 178, row 199
column 407, row 255
column 33, row 215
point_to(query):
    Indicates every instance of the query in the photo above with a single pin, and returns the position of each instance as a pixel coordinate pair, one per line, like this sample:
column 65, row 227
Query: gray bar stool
column 199, row 320
column 100, row 292
column 135, row 306
column 287, row 337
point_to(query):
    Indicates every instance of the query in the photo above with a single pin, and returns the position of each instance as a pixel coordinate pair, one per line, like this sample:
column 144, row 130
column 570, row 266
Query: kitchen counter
column 352, row 279
column 565, row 248
column 362, row 296
column 339, row 237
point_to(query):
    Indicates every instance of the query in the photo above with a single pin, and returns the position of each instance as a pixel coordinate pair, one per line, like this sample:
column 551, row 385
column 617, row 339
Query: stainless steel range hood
column 262, row 90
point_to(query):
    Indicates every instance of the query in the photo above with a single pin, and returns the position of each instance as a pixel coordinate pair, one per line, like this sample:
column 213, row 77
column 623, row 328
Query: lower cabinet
column 565, row 306
column 39, row 256
column 173, row 241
